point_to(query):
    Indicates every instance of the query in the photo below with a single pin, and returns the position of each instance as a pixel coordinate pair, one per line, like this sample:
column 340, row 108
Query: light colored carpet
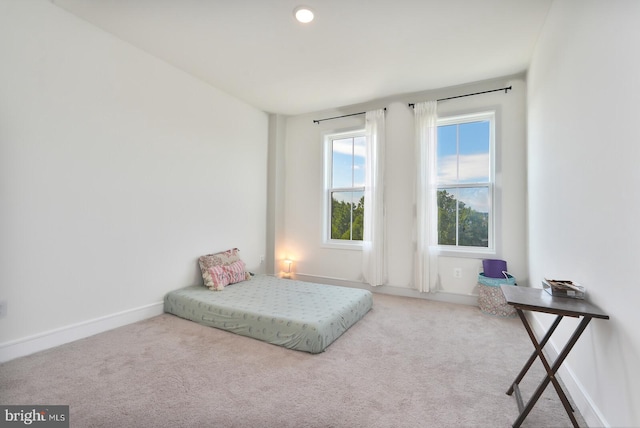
column 407, row 363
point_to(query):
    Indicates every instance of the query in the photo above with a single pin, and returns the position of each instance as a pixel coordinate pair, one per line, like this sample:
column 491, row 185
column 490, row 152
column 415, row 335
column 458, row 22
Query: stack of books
column 563, row 288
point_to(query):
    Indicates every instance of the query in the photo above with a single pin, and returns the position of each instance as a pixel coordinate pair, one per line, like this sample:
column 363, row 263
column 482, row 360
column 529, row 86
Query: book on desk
column 564, row 288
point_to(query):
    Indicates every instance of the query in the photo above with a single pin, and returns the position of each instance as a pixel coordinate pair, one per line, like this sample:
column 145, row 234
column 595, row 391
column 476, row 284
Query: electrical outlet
column 261, row 259
column 3, row 308
column 457, row 272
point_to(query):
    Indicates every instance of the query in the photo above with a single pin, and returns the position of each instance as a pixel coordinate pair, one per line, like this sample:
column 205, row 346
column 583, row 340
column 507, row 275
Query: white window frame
column 466, row 251
column 328, row 138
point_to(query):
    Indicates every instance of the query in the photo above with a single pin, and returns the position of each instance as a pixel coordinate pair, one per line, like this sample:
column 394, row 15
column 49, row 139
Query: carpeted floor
column 407, row 363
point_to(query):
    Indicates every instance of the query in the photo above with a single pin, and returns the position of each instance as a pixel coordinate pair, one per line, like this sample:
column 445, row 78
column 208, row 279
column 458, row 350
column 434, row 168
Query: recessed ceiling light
column 303, row 14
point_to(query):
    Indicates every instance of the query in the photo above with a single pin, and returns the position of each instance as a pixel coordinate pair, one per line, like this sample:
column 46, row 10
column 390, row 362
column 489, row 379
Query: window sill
column 334, row 245
column 470, row 253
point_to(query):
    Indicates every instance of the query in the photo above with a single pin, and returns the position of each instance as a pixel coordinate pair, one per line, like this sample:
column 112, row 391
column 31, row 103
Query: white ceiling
column 354, row 51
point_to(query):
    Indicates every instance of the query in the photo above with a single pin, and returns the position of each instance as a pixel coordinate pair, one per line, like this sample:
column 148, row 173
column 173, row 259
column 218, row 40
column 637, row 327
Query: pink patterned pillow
column 218, row 260
column 235, row 271
column 219, row 277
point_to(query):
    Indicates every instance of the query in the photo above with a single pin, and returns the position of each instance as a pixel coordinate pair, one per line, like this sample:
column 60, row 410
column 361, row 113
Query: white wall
column 304, row 189
column 583, row 95
column 116, row 172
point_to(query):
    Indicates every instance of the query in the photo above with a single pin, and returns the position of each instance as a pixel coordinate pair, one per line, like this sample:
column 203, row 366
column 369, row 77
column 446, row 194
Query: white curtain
column 425, row 257
column 373, row 244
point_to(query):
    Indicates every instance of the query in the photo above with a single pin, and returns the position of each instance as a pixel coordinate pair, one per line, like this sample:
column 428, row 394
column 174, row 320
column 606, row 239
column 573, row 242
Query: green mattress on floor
column 295, row 314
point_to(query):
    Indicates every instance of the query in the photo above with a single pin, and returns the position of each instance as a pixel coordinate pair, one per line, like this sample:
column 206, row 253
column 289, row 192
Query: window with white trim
column 465, row 182
column 344, row 187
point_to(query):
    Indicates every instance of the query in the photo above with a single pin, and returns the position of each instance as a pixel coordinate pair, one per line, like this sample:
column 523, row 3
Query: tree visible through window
column 345, row 189
column 465, row 181
column 346, row 217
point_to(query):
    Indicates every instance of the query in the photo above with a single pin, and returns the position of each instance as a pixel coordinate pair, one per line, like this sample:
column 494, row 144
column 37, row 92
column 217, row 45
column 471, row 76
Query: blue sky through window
column 463, row 156
column 348, row 162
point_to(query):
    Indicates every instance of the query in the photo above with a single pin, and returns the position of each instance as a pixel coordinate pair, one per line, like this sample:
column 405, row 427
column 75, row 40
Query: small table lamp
column 287, row 271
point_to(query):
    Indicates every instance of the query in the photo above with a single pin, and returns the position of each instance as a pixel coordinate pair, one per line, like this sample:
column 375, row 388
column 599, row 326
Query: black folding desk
column 538, row 300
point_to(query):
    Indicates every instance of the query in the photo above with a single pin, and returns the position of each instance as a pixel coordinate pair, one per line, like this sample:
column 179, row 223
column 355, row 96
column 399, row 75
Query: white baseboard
column 592, row 416
column 60, row 336
column 440, row 296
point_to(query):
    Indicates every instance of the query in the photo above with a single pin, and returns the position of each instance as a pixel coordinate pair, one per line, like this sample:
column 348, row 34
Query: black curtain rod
column 338, row 117
column 469, row 95
column 506, row 89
